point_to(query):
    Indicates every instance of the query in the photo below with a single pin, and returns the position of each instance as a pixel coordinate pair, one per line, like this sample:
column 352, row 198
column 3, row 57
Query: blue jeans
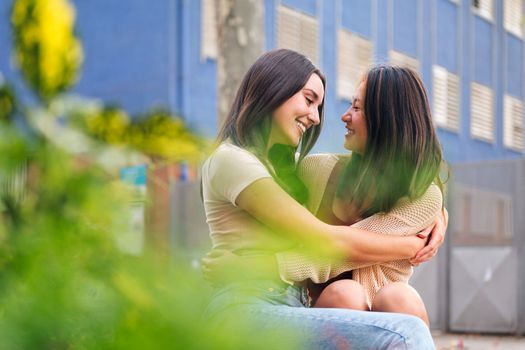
column 276, row 305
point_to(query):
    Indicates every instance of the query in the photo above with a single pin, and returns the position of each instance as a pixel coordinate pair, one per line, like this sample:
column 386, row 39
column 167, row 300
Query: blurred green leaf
column 7, row 101
column 64, row 284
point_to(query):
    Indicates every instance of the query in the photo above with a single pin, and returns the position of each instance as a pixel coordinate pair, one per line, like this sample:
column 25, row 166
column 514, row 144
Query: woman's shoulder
column 432, row 195
column 322, row 158
column 317, row 163
column 228, row 158
column 322, row 162
column 229, row 152
column 228, row 148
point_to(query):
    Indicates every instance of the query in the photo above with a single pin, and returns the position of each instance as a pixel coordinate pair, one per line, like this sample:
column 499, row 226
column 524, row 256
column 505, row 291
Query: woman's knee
column 394, row 296
column 346, row 294
column 402, row 298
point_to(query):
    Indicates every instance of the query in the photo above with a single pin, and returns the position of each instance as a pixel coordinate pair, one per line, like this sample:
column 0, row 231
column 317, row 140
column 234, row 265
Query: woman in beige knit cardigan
column 390, row 183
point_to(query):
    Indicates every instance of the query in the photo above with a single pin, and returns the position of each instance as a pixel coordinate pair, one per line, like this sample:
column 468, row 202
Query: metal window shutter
column 513, row 123
column 288, row 28
column 512, row 16
column 486, row 9
column 208, row 30
column 354, row 55
column 309, row 38
column 445, row 98
column 453, row 101
column 439, row 95
column 299, row 32
column 403, row 60
column 481, row 111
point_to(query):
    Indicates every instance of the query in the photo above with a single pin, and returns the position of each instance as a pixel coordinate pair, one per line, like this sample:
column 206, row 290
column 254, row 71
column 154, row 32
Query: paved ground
column 449, row 341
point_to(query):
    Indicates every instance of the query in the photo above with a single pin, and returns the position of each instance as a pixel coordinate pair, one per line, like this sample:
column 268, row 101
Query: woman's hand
column 436, row 239
column 420, row 240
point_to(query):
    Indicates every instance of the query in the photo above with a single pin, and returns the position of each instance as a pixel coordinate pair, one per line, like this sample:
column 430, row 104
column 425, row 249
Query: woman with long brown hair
column 389, row 184
column 252, row 199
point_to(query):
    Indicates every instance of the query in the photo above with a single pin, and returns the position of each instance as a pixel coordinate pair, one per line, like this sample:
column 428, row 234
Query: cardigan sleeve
column 406, row 218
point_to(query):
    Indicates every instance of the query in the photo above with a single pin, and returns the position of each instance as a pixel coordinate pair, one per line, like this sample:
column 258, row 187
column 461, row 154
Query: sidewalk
column 448, row 341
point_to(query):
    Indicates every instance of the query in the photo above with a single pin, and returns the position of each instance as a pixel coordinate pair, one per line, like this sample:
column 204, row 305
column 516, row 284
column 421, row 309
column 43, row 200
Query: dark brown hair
column 403, row 155
column 275, row 77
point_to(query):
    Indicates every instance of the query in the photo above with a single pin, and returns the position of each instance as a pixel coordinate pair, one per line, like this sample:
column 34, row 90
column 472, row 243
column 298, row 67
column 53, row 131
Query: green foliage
column 157, row 133
column 7, row 101
column 109, row 125
column 46, row 49
column 161, row 134
column 64, row 284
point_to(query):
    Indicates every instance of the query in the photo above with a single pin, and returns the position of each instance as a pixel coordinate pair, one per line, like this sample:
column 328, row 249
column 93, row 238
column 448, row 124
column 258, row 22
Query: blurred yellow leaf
column 47, row 51
column 132, row 289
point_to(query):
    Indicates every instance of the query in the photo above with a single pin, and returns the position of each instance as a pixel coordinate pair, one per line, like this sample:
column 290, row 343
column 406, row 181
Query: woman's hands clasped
column 435, row 240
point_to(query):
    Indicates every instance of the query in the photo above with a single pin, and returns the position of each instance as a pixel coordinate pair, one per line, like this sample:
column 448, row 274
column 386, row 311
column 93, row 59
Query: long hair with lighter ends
column 403, row 154
column 274, row 77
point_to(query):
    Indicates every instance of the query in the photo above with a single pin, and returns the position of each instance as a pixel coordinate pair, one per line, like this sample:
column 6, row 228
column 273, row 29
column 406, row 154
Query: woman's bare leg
column 347, row 294
column 402, row 298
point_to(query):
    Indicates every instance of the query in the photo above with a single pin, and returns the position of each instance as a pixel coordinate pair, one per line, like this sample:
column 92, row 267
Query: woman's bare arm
column 266, row 201
column 408, row 217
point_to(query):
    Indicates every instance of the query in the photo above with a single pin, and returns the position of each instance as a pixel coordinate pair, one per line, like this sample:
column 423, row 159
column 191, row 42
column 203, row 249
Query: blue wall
column 308, row 7
column 447, row 34
column 149, row 55
column 514, row 65
column 127, row 53
column 357, row 16
column 405, row 26
column 270, row 17
column 332, row 137
column 7, row 65
column 483, row 48
column 198, row 84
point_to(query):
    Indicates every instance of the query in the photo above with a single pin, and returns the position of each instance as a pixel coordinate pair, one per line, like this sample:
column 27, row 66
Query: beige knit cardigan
column 406, row 218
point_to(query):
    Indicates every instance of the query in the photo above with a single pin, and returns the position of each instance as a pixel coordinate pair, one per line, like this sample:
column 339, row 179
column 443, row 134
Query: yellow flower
column 48, row 53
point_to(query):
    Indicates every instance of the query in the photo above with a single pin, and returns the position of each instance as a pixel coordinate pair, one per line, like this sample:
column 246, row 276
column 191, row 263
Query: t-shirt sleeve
column 232, row 169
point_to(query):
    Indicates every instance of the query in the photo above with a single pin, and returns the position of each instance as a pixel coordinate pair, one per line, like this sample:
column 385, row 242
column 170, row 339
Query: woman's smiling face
column 356, row 136
column 297, row 114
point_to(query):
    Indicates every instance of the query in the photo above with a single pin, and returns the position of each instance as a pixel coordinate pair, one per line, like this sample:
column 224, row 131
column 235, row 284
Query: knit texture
column 406, row 218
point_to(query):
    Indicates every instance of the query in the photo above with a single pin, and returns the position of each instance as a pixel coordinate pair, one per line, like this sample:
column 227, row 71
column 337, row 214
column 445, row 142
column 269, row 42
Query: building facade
column 470, row 54
column 143, row 54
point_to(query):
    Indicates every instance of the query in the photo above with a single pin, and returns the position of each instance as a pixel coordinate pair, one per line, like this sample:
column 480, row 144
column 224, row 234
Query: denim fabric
column 256, row 293
column 274, row 306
